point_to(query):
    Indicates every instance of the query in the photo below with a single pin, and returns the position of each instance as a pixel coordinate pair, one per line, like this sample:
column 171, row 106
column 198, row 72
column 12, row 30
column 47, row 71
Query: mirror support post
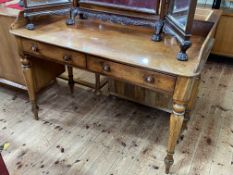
column 216, row 4
column 178, row 21
column 30, row 25
column 73, row 14
column 184, row 46
column 158, row 31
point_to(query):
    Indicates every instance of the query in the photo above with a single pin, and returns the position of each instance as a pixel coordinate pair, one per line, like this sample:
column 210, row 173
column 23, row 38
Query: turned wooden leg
column 28, row 75
column 181, row 97
column 71, row 79
column 176, row 121
column 186, row 120
column 191, row 103
column 97, row 84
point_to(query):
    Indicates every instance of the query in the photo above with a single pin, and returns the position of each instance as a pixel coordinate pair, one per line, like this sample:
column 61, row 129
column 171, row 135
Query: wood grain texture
column 31, row 83
column 140, row 95
column 45, row 73
column 156, row 80
column 9, row 60
column 52, row 52
column 106, row 39
column 10, row 66
column 224, row 35
column 114, row 136
column 84, row 78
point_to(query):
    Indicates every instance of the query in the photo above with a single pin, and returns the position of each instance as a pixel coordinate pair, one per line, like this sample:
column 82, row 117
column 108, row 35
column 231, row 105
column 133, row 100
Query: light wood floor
column 90, row 135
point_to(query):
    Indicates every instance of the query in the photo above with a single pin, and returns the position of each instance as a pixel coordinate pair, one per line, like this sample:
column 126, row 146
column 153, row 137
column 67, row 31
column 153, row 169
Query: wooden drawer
column 54, row 53
column 148, row 79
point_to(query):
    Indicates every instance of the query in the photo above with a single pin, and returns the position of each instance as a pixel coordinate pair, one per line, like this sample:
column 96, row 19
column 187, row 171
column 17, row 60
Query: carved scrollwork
column 48, row 12
column 118, row 19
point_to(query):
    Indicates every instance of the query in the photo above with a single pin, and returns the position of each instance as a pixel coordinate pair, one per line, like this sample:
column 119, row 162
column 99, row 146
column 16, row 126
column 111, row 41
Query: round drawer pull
column 149, row 79
column 106, row 68
column 35, row 48
column 67, row 58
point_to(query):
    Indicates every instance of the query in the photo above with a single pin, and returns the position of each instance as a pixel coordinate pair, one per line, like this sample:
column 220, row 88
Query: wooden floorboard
column 85, row 134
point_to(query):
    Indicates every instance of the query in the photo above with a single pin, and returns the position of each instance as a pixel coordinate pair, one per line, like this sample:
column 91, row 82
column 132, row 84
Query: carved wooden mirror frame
column 117, row 13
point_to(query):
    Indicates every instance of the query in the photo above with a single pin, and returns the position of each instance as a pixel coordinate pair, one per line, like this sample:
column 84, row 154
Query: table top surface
column 125, row 44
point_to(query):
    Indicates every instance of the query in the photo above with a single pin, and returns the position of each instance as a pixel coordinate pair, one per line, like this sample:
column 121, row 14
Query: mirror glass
column 149, row 6
column 179, row 10
column 35, row 3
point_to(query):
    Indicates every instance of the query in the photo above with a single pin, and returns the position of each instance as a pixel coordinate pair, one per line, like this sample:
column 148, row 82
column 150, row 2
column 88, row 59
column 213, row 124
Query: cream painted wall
column 225, row 3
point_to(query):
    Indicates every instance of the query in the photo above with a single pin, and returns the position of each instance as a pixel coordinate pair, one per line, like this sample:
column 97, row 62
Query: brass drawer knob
column 67, row 58
column 35, row 48
column 106, row 68
column 149, row 79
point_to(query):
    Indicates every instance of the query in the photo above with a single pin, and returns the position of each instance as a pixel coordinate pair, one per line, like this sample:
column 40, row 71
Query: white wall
column 225, row 3
column 205, row 2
